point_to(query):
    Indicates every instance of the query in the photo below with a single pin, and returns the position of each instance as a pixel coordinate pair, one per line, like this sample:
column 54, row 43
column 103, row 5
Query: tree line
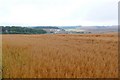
column 20, row 30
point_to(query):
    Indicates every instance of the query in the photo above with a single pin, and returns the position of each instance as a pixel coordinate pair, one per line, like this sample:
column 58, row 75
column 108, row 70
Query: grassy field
column 60, row 56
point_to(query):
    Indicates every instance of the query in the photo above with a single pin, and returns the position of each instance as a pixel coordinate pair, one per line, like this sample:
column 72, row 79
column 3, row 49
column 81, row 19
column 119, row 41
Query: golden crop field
column 60, row 56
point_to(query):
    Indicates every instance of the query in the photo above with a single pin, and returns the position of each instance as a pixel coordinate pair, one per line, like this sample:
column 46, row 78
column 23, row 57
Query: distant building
column 55, row 31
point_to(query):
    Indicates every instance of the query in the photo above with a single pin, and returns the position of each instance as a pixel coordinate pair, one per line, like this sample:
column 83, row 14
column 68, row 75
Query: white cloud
column 58, row 12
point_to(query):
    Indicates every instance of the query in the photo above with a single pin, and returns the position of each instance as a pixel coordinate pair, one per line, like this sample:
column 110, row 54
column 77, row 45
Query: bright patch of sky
column 58, row 12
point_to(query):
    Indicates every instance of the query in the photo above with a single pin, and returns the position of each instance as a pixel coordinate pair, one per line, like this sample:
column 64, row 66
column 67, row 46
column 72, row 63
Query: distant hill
column 45, row 27
column 100, row 29
column 92, row 29
column 69, row 27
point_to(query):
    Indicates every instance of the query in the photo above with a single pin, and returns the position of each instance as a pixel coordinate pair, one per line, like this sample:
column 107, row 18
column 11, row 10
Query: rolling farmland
column 60, row 56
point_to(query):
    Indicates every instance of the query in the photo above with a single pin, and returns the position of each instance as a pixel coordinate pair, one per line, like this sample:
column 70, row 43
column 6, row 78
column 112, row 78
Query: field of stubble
column 60, row 56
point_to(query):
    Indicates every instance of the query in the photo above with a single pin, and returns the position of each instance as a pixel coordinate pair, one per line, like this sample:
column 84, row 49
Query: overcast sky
column 58, row 12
